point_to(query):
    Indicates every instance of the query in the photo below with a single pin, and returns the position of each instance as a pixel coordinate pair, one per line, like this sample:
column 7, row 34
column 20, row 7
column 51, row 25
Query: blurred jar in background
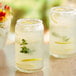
column 5, row 20
column 62, row 31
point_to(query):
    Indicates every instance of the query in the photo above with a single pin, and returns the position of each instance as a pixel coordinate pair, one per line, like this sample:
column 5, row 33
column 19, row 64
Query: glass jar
column 29, row 45
column 62, row 32
column 5, row 22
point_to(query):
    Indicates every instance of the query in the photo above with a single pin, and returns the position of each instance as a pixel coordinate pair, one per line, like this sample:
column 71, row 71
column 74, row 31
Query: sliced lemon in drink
column 60, row 9
column 56, row 14
column 30, row 22
column 27, row 22
column 62, row 42
column 36, row 59
column 24, row 66
column 55, row 17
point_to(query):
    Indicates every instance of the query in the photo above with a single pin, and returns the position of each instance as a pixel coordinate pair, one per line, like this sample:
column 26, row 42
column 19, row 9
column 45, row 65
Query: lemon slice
column 56, row 14
column 30, row 22
column 55, row 17
column 25, row 66
column 63, row 42
column 27, row 22
column 60, row 9
column 37, row 59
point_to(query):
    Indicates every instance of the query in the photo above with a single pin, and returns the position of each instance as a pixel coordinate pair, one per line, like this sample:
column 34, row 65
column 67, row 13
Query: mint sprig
column 24, row 48
column 64, row 38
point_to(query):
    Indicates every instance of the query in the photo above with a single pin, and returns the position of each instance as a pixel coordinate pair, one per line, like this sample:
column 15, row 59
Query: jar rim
column 62, row 9
column 29, row 21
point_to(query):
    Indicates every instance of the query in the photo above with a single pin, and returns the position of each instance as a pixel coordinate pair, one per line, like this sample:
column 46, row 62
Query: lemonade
column 29, row 45
column 62, row 31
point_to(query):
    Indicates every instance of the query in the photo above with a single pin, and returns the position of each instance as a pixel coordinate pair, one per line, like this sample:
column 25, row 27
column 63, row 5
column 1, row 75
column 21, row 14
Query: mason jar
column 62, row 32
column 29, row 51
column 5, row 22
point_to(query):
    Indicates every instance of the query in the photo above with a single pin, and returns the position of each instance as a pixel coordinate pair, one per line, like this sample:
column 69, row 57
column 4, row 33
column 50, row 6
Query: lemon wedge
column 37, row 59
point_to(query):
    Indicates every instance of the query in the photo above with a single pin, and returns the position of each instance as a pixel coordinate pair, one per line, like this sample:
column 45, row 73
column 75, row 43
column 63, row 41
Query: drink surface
column 29, row 47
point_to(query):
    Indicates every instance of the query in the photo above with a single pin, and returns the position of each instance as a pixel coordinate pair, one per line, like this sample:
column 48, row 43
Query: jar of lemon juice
column 62, row 32
column 29, row 45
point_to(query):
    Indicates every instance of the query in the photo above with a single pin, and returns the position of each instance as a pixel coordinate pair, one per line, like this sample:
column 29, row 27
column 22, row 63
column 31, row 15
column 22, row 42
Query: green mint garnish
column 55, row 34
column 24, row 49
column 23, row 42
column 63, row 38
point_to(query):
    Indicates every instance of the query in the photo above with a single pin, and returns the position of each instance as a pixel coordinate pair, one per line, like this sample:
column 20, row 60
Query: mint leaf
column 24, row 48
column 23, row 42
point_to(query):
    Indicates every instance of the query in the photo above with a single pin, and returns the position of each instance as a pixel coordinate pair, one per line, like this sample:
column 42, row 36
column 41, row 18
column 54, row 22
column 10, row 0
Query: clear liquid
column 62, row 41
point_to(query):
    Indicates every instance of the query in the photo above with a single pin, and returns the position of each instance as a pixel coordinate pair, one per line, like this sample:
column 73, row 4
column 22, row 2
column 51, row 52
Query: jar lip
column 29, row 21
column 62, row 9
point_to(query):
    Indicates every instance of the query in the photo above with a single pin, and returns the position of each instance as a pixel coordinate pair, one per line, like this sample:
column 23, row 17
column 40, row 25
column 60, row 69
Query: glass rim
column 22, row 21
column 62, row 9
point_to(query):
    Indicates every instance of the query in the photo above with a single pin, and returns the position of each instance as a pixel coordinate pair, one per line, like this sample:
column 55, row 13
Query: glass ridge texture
column 62, row 31
column 29, row 51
